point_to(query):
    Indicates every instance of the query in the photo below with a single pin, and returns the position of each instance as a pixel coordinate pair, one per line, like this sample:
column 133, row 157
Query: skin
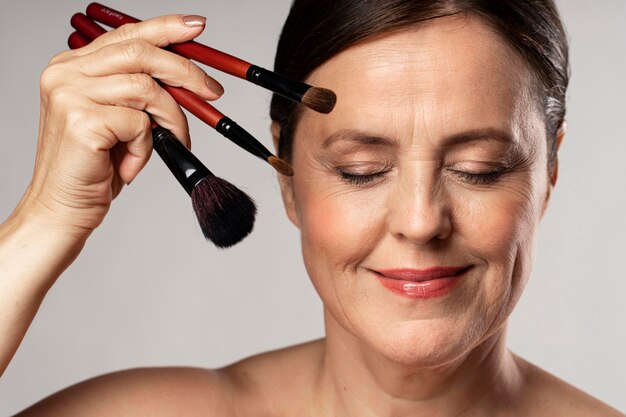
column 404, row 199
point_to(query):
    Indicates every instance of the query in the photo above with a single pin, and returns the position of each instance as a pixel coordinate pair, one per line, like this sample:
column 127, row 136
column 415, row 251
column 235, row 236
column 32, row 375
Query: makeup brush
column 319, row 99
column 90, row 30
column 225, row 213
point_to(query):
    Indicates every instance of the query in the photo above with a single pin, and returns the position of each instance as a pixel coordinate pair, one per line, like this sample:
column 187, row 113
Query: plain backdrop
column 149, row 291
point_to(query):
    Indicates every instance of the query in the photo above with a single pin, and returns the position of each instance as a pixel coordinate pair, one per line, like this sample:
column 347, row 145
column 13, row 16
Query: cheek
column 500, row 219
column 338, row 228
column 494, row 224
column 499, row 228
column 338, row 231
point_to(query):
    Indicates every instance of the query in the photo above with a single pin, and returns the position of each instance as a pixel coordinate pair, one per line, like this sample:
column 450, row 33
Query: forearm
column 32, row 256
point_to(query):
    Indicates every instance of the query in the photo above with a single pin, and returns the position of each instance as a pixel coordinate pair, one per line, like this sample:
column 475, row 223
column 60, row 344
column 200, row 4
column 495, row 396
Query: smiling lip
column 421, row 283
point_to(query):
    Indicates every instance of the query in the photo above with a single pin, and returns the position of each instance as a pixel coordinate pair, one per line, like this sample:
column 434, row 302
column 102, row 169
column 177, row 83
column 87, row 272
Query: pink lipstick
column 422, row 283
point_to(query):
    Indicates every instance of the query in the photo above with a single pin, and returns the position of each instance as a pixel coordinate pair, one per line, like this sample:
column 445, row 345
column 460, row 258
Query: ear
column 560, row 135
column 554, row 174
column 286, row 183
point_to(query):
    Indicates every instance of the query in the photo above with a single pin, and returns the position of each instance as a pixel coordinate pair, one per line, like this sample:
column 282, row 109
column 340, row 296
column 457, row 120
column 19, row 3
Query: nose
column 419, row 212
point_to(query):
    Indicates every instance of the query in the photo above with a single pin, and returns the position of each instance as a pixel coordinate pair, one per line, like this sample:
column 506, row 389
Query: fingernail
column 193, row 20
column 214, row 86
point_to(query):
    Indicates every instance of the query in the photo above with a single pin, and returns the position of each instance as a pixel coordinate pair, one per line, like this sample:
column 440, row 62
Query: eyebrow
column 357, row 137
column 475, row 135
column 364, row 138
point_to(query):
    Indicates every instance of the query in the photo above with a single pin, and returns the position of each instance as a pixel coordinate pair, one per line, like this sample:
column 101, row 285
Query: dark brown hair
column 316, row 30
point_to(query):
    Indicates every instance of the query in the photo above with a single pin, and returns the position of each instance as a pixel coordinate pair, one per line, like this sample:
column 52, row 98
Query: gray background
column 148, row 291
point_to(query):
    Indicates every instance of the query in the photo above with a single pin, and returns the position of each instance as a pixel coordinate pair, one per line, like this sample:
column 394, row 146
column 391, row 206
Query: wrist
column 55, row 221
column 33, row 256
column 41, row 242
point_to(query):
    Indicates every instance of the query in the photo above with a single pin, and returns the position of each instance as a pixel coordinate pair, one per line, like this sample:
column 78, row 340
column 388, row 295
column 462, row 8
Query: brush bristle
column 280, row 166
column 320, row 99
column 225, row 213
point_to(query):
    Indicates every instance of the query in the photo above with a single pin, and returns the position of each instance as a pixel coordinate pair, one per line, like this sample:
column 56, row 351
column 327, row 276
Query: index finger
column 159, row 31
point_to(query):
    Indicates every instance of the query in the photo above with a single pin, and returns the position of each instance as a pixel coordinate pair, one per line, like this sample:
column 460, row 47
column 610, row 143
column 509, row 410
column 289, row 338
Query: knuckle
column 143, row 122
column 127, row 31
column 51, row 77
column 135, row 50
column 88, row 131
column 192, row 70
column 60, row 57
column 61, row 97
column 82, row 127
column 79, row 118
column 142, row 85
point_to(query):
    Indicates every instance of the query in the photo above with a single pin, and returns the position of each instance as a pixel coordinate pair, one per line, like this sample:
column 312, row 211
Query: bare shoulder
column 276, row 382
column 147, row 391
column 244, row 388
column 548, row 395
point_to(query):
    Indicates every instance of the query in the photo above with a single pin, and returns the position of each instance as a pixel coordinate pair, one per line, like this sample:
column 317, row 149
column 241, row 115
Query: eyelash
column 483, row 178
column 360, row 179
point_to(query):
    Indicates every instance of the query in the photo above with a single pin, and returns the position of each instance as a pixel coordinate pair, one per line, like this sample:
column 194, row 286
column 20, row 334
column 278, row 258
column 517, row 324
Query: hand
column 95, row 133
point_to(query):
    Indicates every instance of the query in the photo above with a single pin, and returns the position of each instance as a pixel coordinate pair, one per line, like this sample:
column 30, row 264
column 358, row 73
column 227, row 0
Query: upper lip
column 419, row 275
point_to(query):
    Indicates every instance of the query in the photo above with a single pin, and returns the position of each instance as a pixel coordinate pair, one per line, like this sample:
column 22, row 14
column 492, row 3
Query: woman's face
column 435, row 156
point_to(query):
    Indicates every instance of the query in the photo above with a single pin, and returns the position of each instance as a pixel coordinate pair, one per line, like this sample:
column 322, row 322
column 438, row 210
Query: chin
column 426, row 344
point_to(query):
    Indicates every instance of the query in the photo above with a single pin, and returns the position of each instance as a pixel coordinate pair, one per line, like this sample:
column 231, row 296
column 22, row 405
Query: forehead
column 449, row 75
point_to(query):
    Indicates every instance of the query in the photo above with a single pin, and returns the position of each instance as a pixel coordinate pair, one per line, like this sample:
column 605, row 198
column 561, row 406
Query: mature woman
column 418, row 200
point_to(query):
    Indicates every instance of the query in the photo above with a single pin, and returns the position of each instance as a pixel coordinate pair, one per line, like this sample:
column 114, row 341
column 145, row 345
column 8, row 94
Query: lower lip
column 421, row 290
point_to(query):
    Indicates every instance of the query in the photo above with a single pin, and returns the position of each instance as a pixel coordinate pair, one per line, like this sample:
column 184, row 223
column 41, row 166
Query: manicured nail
column 194, row 20
column 214, row 86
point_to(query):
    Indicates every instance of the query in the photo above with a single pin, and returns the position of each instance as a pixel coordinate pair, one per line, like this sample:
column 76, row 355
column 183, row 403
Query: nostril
column 420, row 221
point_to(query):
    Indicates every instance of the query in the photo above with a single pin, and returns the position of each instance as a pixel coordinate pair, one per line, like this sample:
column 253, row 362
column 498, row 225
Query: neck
column 355, row 380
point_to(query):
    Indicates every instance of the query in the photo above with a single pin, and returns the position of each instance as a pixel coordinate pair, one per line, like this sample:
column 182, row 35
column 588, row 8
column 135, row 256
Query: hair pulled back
column 316, row 30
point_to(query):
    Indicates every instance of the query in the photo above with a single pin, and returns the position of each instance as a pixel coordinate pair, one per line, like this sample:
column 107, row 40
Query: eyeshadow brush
column 319, row 99
column 90, row 30
column 225, row 213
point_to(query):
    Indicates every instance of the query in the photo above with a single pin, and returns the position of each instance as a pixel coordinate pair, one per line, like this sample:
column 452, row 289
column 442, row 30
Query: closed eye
column 480, row 178
column 360, row 179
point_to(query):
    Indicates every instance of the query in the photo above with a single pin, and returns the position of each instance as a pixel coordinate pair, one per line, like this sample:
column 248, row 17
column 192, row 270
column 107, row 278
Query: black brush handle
column 239, row 136
column 187, row 169
column 293, row 90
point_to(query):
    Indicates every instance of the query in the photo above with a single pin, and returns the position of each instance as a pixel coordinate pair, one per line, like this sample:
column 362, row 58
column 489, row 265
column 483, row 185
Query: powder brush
column 225, row 213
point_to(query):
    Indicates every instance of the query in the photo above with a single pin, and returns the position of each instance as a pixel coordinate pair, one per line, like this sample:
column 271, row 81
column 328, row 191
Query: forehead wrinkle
column 423, row 79
column 432, row 79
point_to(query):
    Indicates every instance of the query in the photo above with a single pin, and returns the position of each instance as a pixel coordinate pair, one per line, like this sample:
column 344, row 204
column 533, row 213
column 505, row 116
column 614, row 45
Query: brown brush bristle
column 321, row 100
column 225, row 213
column 280, row 166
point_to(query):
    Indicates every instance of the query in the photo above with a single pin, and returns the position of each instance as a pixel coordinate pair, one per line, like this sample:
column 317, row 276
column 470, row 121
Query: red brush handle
column 193, row 50
column 76, row 41
column 88, row 30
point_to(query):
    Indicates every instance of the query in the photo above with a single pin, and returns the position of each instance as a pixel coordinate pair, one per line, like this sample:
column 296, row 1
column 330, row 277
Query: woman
column 418, row 199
